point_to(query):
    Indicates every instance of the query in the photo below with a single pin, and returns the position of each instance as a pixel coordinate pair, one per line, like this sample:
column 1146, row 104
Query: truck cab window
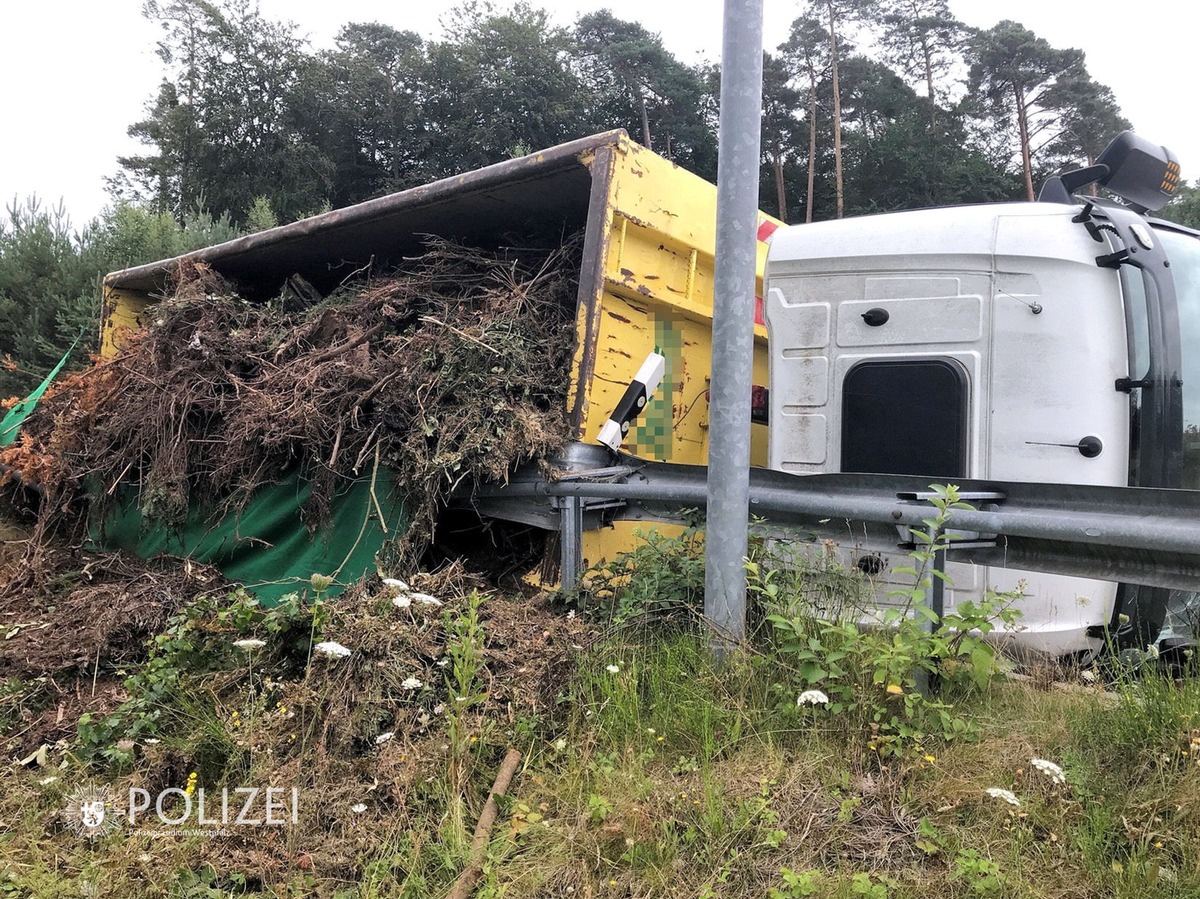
column 905, row 417
column 1184, row 252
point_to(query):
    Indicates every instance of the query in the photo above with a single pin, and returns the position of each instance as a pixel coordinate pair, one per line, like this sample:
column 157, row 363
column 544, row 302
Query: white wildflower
column 249, row 644
column 812, row 697
column 613, row 669
column 46, row 781
column 439, row 708
column 571, row 615
column 151, row 741
column 442, row 662
column 1007, row 795
column 412, row 683
column 384, row 737
column 395, row 584
column 425, row 599
column 1088, row 675
column 402, row 601
column 1051, row 770
column 560, row 744
column 333, row 649
column 358, row 808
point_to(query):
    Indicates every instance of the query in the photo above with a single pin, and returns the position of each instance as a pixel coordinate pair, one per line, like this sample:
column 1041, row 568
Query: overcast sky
column 74, row 74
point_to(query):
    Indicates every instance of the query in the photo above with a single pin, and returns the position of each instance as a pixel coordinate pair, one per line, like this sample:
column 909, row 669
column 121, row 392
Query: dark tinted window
column 905, row 417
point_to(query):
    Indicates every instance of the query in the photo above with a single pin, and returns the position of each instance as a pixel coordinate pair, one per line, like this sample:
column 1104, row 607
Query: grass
column 629, row 815
column 670, row 777
column 648, row 770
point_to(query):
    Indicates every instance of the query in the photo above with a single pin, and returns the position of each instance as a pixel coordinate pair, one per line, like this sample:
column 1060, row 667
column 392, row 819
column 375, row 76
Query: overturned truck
column 636, row 236
column 1036, row 354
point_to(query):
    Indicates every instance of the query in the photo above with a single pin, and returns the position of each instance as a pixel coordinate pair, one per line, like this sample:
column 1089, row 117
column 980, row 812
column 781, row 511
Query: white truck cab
column 1047, row 342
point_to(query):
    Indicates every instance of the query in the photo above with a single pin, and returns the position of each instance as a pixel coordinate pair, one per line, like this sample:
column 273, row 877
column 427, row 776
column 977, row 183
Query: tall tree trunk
column 812, row 143
column 646, row 126
column 187, row 151
column 837, row 114
column 1023, row 126
column 780, row 193
column 928, row 54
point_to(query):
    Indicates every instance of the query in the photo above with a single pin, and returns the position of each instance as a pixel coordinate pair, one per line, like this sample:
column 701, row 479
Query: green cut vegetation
column 807, row 763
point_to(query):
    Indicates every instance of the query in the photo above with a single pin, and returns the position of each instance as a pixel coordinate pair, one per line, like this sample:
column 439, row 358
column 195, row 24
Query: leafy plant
column 871, row 674
column 685, row 765
column 464, row 653
column 197, row 641
column 599, row 808
column 663, row 577
column 797, row 884
column 929, row 837
column 863, row 884
column 980, row 873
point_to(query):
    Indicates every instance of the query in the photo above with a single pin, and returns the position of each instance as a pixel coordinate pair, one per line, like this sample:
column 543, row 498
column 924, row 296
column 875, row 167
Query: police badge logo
column 91, row 812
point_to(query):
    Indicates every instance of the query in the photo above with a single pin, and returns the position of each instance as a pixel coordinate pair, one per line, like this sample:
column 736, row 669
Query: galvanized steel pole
column 728, row 490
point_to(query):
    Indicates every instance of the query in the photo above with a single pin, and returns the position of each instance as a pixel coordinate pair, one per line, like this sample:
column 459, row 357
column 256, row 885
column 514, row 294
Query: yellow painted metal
column 657, row 294
column 606, row 544
column 658, row 259
column 124, row 312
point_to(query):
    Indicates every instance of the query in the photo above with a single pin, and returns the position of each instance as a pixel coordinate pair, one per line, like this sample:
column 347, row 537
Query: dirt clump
column 63, row 639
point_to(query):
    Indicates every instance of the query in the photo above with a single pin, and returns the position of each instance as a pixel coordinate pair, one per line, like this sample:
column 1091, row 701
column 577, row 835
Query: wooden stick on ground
column 465, row 885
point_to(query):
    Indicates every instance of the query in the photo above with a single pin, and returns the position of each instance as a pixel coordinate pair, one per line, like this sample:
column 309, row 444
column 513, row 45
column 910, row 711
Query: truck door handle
column 1089, row 447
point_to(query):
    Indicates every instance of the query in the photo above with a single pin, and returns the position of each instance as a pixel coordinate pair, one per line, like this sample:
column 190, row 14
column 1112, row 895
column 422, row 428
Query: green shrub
column 872, row 677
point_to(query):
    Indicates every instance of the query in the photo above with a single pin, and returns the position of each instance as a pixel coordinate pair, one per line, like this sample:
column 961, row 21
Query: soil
column 67, row 634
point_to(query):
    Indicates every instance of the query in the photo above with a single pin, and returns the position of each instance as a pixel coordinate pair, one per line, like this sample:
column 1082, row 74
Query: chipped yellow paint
column 658, row 260
column 605, row 545
column 658, row 266
column 123, row 314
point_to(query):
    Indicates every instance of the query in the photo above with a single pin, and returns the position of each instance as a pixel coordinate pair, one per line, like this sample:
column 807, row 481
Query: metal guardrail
column 1131, row 534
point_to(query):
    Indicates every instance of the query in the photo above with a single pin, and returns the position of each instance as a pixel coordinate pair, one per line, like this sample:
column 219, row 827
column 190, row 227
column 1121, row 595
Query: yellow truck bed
column 645, row 282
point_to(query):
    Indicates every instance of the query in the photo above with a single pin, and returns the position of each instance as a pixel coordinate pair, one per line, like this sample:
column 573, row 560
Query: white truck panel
column 1009, row 293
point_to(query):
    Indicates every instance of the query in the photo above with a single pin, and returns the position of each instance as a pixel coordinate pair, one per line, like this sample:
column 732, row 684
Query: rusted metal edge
column 513, row 171
column 591, row 280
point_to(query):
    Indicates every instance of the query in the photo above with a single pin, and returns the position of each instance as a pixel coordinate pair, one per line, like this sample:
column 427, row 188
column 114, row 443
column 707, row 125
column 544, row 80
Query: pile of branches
column 450, row 371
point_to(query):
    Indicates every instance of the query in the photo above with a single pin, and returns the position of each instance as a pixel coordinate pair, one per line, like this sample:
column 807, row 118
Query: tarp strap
column 10, row 427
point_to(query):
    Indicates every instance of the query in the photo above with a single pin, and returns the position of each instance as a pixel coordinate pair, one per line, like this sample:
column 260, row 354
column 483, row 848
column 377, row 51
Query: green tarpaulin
column 267, row 548
column 10, row 427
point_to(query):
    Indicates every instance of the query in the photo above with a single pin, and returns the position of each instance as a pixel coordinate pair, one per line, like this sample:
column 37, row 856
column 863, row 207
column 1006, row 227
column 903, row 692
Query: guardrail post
column 570, row 537
column 927, row 683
